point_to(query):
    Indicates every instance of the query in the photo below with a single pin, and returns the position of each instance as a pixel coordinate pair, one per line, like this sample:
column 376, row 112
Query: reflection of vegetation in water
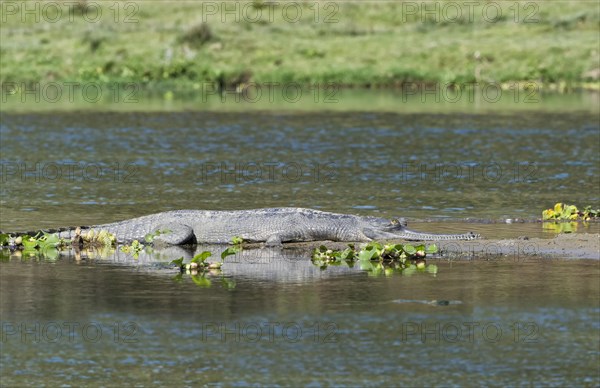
column 47, row 246
column 561, row 227
column 378, row 259
column 554, row 218
column 202, row 280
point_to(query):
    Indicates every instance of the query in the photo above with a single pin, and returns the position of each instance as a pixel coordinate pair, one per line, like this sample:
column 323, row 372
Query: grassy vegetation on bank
column 385, row 43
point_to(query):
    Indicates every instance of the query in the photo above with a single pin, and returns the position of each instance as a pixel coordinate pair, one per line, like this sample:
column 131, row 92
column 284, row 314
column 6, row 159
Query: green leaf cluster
column 377, row 258
column 564, row 212
column 199, row 263
column 135, row 248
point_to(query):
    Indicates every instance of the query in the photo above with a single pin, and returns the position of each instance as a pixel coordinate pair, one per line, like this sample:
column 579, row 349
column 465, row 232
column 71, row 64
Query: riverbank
column 185, row 46
column 524, row 249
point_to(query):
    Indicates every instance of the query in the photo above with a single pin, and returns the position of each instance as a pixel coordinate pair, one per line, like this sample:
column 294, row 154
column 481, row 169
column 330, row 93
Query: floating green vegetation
column 47, row 246
column 199, row 267
column 565, row 218
column 200, row 264
column 378, row 259
column 237, row 240
column 47, row 243
column 134, row 249
column 564, row 212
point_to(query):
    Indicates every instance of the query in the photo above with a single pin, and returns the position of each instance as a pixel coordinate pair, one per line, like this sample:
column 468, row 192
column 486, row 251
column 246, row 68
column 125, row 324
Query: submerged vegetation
column 183, row 45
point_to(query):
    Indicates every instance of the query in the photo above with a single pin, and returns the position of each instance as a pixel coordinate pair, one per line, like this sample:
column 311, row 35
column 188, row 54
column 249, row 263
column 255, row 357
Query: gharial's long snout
column 412, row 235
column 398, row 227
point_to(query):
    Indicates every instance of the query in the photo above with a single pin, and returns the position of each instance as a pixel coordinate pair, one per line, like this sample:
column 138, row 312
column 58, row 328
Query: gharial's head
column 383, row 224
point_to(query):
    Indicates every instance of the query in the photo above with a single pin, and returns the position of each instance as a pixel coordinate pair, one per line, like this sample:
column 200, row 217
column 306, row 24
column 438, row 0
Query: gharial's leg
column 174, row 234
column 276, row 239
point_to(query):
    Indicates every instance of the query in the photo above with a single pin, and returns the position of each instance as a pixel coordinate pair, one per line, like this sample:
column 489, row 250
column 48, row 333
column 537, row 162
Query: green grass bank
column 181, row 45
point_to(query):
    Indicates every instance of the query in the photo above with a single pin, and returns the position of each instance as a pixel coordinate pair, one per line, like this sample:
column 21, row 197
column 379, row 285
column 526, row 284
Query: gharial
column 273, row 226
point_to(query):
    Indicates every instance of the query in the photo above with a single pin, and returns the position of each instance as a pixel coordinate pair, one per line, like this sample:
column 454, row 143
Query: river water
column 271, row 317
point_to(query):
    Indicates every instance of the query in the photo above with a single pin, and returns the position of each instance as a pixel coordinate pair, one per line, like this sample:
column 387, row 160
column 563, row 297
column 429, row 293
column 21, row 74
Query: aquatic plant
column 199, row 263
column 135, row 248
column 43, row 240
column 564, row 212
column 377, row 258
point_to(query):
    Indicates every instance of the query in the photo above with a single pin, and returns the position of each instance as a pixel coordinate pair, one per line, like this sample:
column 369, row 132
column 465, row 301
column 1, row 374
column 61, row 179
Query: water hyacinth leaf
column 431, row 249
column 49, row 240
column 178, row 262
column 201, row 257
column 347, row 254
column 229, row 251
column 409, row 249
column 366, row 255
column 4, row 238
column 30, row 242
column 548, row 214
column 571, row 212
column 377, row 246
column 558, row 208
column 237, row 240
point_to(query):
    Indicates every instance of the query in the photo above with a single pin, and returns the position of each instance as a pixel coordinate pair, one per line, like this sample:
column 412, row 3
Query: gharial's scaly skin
column 273, row 226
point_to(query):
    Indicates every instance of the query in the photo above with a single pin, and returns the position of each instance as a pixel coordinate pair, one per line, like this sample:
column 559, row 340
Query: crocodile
column 272, row 226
